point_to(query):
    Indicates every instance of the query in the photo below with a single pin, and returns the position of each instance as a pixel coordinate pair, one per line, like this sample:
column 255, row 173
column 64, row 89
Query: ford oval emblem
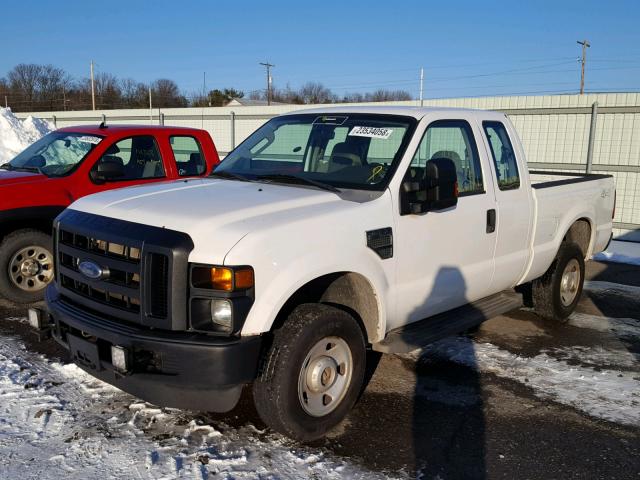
column 92, row 270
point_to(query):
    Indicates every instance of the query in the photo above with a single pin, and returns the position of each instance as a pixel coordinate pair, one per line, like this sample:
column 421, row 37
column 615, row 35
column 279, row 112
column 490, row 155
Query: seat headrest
column 346, row 154
column 447, row 154
column 194, row 157
column 112, row 159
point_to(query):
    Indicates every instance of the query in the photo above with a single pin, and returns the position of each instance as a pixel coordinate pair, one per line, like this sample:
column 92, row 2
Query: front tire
column 556, row 294
column 26, row 265
column 313, row 372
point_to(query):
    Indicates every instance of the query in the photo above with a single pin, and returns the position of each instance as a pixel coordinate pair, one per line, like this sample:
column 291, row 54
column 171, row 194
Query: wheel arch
column 39, row 218
column 348, row 291
column 581, row 232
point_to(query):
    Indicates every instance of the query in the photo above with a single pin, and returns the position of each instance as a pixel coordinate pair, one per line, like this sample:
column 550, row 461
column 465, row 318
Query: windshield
column 359, row 151
column 55, row 154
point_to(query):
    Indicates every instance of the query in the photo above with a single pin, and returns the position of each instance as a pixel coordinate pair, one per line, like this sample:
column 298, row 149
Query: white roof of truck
column 416, row 112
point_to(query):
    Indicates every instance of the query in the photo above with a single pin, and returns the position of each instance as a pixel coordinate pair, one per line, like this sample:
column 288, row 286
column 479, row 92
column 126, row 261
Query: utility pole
column 268, row 66
column 204, row 85
column 150, row 107
column 421, row 85
column 64, row 98
column 585, row 44
column 93, row 88
column 6, row 102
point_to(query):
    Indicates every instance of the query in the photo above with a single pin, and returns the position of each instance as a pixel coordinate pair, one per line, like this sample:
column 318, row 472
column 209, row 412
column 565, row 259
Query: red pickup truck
column 73, row 162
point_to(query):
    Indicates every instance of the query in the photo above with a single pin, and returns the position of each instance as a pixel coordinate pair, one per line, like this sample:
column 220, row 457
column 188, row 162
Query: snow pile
column 16, row 134
column 620, row 252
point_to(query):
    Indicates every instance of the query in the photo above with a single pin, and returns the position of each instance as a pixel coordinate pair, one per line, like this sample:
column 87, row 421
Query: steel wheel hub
column 570, row 282
column 31, row 268
column 325, row 376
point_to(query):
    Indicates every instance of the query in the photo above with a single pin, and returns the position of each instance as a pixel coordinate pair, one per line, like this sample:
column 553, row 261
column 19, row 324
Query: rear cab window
column 188, row 154
column 504, row 158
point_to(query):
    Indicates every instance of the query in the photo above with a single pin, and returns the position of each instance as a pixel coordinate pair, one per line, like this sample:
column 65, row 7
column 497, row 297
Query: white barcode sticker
column 89, row 139
column 371, row 132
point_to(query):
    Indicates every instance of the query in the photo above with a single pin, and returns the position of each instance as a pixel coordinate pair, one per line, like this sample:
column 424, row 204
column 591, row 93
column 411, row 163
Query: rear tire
column 26, row 265
column 556, row 294
column 312, row 374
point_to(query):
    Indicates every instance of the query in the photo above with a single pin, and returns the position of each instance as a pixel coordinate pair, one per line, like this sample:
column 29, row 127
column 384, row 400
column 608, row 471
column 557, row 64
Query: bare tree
column 388, row 96
column 134, row 94
column 23, row 82
column 315, row 92
column 167, row 94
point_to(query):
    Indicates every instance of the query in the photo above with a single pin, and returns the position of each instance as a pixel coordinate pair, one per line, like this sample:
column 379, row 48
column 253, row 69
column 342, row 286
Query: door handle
column 491, row 220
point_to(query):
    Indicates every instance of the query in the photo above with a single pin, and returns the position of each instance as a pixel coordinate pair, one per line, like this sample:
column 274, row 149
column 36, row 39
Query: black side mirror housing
column 437, row 191
column 107, row 170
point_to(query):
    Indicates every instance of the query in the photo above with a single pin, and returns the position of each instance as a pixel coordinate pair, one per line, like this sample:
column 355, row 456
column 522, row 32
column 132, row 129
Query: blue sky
column 467, row 48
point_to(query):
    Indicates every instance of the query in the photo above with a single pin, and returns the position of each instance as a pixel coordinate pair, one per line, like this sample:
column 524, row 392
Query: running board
column 423, row 332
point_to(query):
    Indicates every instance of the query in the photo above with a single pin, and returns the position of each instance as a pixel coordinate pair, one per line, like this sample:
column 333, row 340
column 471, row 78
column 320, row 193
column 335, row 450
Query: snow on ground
column 58, row 422
column 16, row 134
column 620, row 252
column 631, row 292
column 601, row 383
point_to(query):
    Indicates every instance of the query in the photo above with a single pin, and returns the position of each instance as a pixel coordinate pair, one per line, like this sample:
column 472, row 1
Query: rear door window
column 504, row 157
column 187, row 151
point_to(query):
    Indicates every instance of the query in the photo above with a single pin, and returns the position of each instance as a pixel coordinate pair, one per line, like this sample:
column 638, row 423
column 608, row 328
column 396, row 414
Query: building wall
column 554, row 129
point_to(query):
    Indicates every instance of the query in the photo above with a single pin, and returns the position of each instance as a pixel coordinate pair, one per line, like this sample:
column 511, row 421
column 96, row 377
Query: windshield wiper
column 283, row 177
column 8, row 166
column 230, row 175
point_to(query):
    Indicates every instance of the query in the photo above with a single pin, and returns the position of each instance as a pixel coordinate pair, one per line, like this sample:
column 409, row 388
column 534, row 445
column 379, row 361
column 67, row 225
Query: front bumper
column 170, row 369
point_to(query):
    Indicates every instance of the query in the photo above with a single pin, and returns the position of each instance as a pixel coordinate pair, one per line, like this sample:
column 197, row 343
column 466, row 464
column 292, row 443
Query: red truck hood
column 8, row 177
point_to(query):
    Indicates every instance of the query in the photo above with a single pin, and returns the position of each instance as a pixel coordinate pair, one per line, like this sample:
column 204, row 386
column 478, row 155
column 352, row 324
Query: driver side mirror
column 107, row 170
column 437, row 191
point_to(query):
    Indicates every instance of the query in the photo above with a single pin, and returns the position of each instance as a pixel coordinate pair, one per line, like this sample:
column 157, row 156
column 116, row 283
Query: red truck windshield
column 55, row 154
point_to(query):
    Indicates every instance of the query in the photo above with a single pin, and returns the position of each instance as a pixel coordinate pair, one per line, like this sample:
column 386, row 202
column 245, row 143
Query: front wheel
column 26, row 265
column 312, row 374
column 556, row 294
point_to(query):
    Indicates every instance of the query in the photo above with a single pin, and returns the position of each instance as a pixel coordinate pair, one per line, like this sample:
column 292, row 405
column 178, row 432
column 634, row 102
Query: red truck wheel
column 26, row 265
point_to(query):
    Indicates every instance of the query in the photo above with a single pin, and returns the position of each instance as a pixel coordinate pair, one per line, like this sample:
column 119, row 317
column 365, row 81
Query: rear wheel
column 26, row 265
column 313, row 372
column 556, row 294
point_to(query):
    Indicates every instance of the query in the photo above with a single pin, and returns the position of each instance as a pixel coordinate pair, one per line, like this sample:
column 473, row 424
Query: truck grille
column 120, row 289
column 132, row 272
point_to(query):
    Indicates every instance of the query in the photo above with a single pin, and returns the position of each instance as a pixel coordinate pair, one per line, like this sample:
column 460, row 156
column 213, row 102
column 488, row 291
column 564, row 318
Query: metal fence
column 581, row 133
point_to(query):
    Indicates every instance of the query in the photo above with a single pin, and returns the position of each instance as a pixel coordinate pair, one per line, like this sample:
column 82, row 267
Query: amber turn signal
column 222, row 279
column 244, row 278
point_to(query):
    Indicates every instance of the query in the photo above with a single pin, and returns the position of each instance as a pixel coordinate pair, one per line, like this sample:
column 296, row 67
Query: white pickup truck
column 326, row 233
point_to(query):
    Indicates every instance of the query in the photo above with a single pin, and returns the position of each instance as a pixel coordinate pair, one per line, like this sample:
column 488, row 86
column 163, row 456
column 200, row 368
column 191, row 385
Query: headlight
column 220, row 298
column 222, row 314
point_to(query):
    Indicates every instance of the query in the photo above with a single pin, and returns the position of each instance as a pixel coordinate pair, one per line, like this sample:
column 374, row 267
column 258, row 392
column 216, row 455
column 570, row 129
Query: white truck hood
column 216, row 213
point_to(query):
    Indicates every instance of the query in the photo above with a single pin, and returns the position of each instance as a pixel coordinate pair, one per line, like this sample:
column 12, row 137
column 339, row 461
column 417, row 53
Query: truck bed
column 560, row 199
